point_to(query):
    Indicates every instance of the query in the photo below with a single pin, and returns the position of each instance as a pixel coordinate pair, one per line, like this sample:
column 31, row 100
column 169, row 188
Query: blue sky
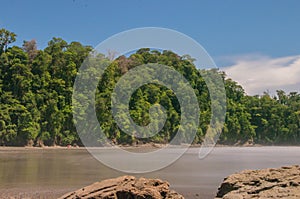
column 235, row 33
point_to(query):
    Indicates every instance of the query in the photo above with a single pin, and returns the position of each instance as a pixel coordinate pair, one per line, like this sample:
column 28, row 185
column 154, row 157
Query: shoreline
column 142, row 146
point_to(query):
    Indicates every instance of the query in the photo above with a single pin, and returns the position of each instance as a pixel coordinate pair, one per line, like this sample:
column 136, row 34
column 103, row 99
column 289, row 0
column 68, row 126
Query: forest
column 36, row 99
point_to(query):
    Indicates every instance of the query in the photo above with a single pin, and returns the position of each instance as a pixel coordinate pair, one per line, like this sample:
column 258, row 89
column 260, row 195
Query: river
column 49, row 173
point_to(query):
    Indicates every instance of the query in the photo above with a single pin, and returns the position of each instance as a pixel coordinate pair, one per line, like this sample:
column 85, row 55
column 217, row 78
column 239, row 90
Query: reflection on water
column 51, row 167
column 61, row 170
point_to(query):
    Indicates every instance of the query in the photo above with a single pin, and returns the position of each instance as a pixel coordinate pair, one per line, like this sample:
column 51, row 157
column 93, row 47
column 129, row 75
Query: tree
column 6, row 38
column 36, row 98
column 30, row 47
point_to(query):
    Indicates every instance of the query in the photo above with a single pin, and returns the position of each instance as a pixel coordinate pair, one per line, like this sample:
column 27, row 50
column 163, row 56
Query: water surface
column 49, row 173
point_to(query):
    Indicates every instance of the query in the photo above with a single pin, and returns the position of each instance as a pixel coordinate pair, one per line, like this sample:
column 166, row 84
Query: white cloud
column 257, row 73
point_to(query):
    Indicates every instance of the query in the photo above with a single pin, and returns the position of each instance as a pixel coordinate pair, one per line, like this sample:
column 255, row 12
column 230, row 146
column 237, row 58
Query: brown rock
column 266, row 183
column 125, row 187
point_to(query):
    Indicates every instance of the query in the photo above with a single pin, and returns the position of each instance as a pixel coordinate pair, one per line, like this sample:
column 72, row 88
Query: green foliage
column 6, row 38
column 36, row 99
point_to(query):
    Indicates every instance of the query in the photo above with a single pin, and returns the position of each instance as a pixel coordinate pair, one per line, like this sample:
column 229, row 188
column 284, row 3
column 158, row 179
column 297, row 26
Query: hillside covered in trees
column 36, row 99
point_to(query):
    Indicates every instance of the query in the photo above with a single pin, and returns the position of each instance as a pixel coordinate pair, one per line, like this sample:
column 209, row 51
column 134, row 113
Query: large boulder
column 283, row 182
column 125, row 187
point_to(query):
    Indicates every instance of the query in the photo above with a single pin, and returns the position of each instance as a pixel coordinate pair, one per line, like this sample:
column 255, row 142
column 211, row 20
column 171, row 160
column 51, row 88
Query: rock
column 283, row 182
column 125, row 187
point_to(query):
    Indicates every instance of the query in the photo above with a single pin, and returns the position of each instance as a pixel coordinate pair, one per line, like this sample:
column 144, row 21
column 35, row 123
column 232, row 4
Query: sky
column 255, row 42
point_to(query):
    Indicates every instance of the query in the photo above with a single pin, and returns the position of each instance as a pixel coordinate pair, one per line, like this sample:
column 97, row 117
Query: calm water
column 49, row 173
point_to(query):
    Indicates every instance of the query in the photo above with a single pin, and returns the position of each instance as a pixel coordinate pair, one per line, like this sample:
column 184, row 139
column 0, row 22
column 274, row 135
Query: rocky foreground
column 266, row 183
column 125, row 187
column 283, row 182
